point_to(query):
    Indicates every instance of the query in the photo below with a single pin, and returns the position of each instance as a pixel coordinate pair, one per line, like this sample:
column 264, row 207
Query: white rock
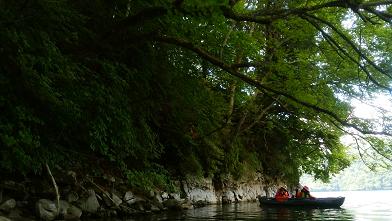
column 114, row 199
column 91, row 204
column 46, row 209
column 175, row 196
column 164, row 196
column 129, row 198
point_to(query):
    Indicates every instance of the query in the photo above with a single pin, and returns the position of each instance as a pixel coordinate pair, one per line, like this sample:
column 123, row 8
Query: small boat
column 329, row 202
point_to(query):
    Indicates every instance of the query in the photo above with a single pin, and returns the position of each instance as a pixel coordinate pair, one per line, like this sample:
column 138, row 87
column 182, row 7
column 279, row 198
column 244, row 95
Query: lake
column 358, row 206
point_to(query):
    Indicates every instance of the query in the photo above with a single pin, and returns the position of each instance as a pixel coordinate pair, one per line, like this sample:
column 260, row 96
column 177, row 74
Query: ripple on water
column 359, row 206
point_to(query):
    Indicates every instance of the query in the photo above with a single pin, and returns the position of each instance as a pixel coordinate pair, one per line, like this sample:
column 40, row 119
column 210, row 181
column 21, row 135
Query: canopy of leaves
column 191, row 87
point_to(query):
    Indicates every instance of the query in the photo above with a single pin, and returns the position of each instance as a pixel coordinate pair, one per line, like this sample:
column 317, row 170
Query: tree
column 191, row 87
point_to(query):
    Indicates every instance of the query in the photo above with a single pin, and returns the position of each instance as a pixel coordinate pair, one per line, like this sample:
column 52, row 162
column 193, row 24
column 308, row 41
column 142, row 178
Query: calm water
column 359, row 205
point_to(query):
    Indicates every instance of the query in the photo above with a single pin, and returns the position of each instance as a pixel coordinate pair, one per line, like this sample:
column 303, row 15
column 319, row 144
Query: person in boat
column 297, row 193
column 282, row 194
column 305, row 193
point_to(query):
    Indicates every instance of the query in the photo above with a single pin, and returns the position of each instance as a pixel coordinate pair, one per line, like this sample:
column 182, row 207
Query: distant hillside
column 355, row 177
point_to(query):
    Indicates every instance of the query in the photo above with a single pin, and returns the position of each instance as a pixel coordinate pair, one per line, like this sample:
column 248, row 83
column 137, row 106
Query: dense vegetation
column 158, row 89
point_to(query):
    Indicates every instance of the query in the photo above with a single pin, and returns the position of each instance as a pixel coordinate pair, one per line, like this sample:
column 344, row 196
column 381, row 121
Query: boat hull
column 330, row 202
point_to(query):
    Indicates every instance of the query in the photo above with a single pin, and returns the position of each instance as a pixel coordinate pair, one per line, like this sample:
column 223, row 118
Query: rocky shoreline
column 94, row 197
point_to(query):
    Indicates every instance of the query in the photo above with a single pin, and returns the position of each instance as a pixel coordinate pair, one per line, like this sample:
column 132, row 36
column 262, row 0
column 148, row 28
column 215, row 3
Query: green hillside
column 355, row 177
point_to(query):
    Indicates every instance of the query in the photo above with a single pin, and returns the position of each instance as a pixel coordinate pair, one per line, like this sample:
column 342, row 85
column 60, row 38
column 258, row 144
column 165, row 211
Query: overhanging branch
column 351, row 43
column 331, row 41
column 228, row 68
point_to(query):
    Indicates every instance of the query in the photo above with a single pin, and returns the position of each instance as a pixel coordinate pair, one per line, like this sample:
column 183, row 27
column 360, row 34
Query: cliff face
column 209, row 191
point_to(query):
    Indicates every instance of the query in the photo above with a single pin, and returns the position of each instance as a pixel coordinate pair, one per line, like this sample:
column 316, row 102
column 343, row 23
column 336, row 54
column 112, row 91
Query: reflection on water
column 250, row 211
column 305, row 214
column 358, row 206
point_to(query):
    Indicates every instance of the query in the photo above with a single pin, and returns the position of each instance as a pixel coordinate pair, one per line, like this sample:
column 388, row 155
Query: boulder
column 73, row 213
column 157, row 197
column 164, row 196
column 64, row 205
column 129, row 198
column 46, row 209
column 175, row 196
column 141, row 205
column 8, row 205
column 114, row 201
column 90, row 204
column 172, row 204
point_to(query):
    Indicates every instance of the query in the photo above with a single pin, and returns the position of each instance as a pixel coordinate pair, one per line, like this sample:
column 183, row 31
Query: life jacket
column 281, row 195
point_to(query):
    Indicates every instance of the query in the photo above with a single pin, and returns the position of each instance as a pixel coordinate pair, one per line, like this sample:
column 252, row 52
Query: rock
column 114, row 201
column 175, row 196
column 141, row 205
column 91, row 204
column 151, row 194
column 200, row 203
column 69, row 211
column 127, row 210
column 2, row 218
column 157, row 197
column 156, row 203
column 129, row 198
column 186, row 204
column 164, row 196
column 64, row 205
column 203, row 189
column 73, row 212
column 46, row 209
column 72, row 197
column 8, row 205
column 155, row 208
column 172, row 204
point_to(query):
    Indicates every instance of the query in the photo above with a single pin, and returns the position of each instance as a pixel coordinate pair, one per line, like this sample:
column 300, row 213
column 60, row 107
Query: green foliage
column 145, row 181
column 144, row 84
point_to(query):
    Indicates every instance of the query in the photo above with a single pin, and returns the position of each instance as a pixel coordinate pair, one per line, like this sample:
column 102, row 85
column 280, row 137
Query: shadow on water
column 246, row 211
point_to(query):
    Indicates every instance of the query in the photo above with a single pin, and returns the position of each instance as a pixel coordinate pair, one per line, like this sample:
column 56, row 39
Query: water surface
column 358, row 206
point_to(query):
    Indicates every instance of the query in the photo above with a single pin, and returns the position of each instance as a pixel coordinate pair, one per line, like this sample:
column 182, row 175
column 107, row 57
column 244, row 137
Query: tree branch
column 352, row 44
column 56, row 189
column 298, row 11
column 335, row 44
column 382, row 15
column 375, row 4
column 226, row 67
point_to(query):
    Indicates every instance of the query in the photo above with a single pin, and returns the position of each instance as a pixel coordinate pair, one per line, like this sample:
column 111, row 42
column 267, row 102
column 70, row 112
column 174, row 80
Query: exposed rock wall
column 81, row 199
column 204, row 190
